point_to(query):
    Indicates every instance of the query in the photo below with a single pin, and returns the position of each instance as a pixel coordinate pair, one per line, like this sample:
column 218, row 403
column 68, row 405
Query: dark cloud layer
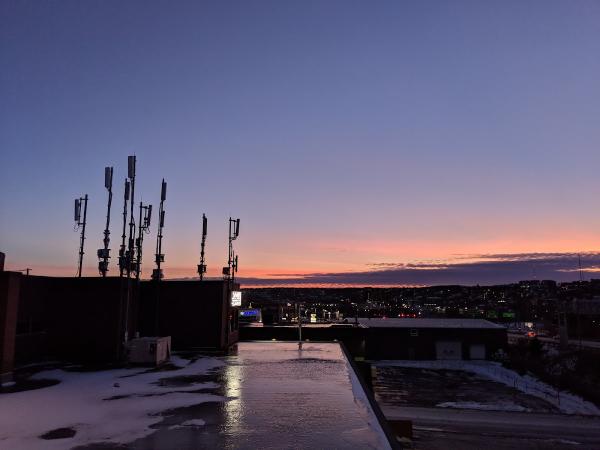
column 486, row 270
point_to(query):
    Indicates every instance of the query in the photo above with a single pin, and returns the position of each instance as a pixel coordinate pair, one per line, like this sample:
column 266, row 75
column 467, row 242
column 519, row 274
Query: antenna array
column 130, row 251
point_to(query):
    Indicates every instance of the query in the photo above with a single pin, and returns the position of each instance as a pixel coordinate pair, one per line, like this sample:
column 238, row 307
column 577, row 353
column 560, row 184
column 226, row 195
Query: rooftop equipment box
column 150, row 350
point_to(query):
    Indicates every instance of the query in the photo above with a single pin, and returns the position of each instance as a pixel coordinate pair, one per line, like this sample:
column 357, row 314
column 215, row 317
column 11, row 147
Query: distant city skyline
column 400, row 143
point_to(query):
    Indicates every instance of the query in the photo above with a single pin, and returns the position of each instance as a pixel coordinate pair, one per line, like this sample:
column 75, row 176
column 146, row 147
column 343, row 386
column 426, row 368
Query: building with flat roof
column 428, row 339
column 429, row 323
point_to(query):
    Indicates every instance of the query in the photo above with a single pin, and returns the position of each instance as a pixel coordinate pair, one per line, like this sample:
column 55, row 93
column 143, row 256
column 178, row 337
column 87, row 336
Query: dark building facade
column 74, row 319
column 9, row 302
column 430, row 339
column 85, row 319
column 196, row 314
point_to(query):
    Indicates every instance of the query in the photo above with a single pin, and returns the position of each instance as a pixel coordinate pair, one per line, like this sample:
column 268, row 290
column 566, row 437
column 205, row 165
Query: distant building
column 430, row 339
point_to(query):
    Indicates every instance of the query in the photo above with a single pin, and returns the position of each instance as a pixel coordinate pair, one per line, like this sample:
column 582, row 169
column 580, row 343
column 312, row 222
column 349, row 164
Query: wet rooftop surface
column 276, row 397
column 267, row 395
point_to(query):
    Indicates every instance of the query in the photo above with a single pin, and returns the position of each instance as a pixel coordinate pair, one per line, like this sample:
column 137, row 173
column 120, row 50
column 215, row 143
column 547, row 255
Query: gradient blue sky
column 344, row 134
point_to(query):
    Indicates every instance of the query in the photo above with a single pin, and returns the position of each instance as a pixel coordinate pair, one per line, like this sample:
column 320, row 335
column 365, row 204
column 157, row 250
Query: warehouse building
column 429, row 339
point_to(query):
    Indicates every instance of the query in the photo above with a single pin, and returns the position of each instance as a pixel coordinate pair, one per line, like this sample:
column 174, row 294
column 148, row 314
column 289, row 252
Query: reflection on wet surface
column 274, row 397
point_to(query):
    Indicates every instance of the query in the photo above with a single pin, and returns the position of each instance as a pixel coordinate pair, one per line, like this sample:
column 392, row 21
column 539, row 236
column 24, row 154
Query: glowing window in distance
column 236, row 298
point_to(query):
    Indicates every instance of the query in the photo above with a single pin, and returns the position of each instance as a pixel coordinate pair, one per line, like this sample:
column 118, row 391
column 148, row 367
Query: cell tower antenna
column 202, row 265
column 104, row 253
column 143, row 227
column 123, row 249
column 131, row 160
column 129, row 253
column 580, row 271
column 159, row 257
column 80, row 224
column 232, row 261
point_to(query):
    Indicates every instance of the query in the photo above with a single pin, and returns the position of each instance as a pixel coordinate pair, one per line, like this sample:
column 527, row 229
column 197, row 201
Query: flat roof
column 266, row 395
column 428, row 323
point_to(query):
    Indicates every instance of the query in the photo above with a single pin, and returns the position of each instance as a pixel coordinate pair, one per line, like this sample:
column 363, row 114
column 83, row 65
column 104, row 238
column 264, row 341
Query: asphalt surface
column 497, row 429
column 531, row 423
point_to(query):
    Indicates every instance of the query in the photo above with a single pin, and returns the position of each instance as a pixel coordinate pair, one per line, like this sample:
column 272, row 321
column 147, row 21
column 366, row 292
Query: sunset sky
column 388, row 142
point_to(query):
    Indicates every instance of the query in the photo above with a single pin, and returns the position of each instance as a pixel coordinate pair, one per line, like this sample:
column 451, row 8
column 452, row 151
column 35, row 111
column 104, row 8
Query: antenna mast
column 80, row 224
column 232, row 261
column 131, row 248
column 123, row 249
column 128, row 254
column 202, row 265
column 159, row 257
column 143, row 227
column 104, row 253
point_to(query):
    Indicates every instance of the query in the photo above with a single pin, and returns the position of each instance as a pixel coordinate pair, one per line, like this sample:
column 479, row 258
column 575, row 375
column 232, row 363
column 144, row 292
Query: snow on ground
column 104, row 406
column 189, row 423
column 566, row 402
column 496, row 406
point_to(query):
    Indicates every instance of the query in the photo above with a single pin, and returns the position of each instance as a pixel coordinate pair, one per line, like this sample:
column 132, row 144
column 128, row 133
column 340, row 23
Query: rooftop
column 428, row 323
column 266, row 395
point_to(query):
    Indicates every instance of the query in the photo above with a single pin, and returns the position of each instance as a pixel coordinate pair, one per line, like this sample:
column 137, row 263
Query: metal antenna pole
column 230, row 256
column 139, row 245
column 122, row 250
column 202, row 265
column 131, row 248
column 129, row 253
column 159, row 257
column 143, row 227
column 234, row 231
column 104, row 254
column 82, row 237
